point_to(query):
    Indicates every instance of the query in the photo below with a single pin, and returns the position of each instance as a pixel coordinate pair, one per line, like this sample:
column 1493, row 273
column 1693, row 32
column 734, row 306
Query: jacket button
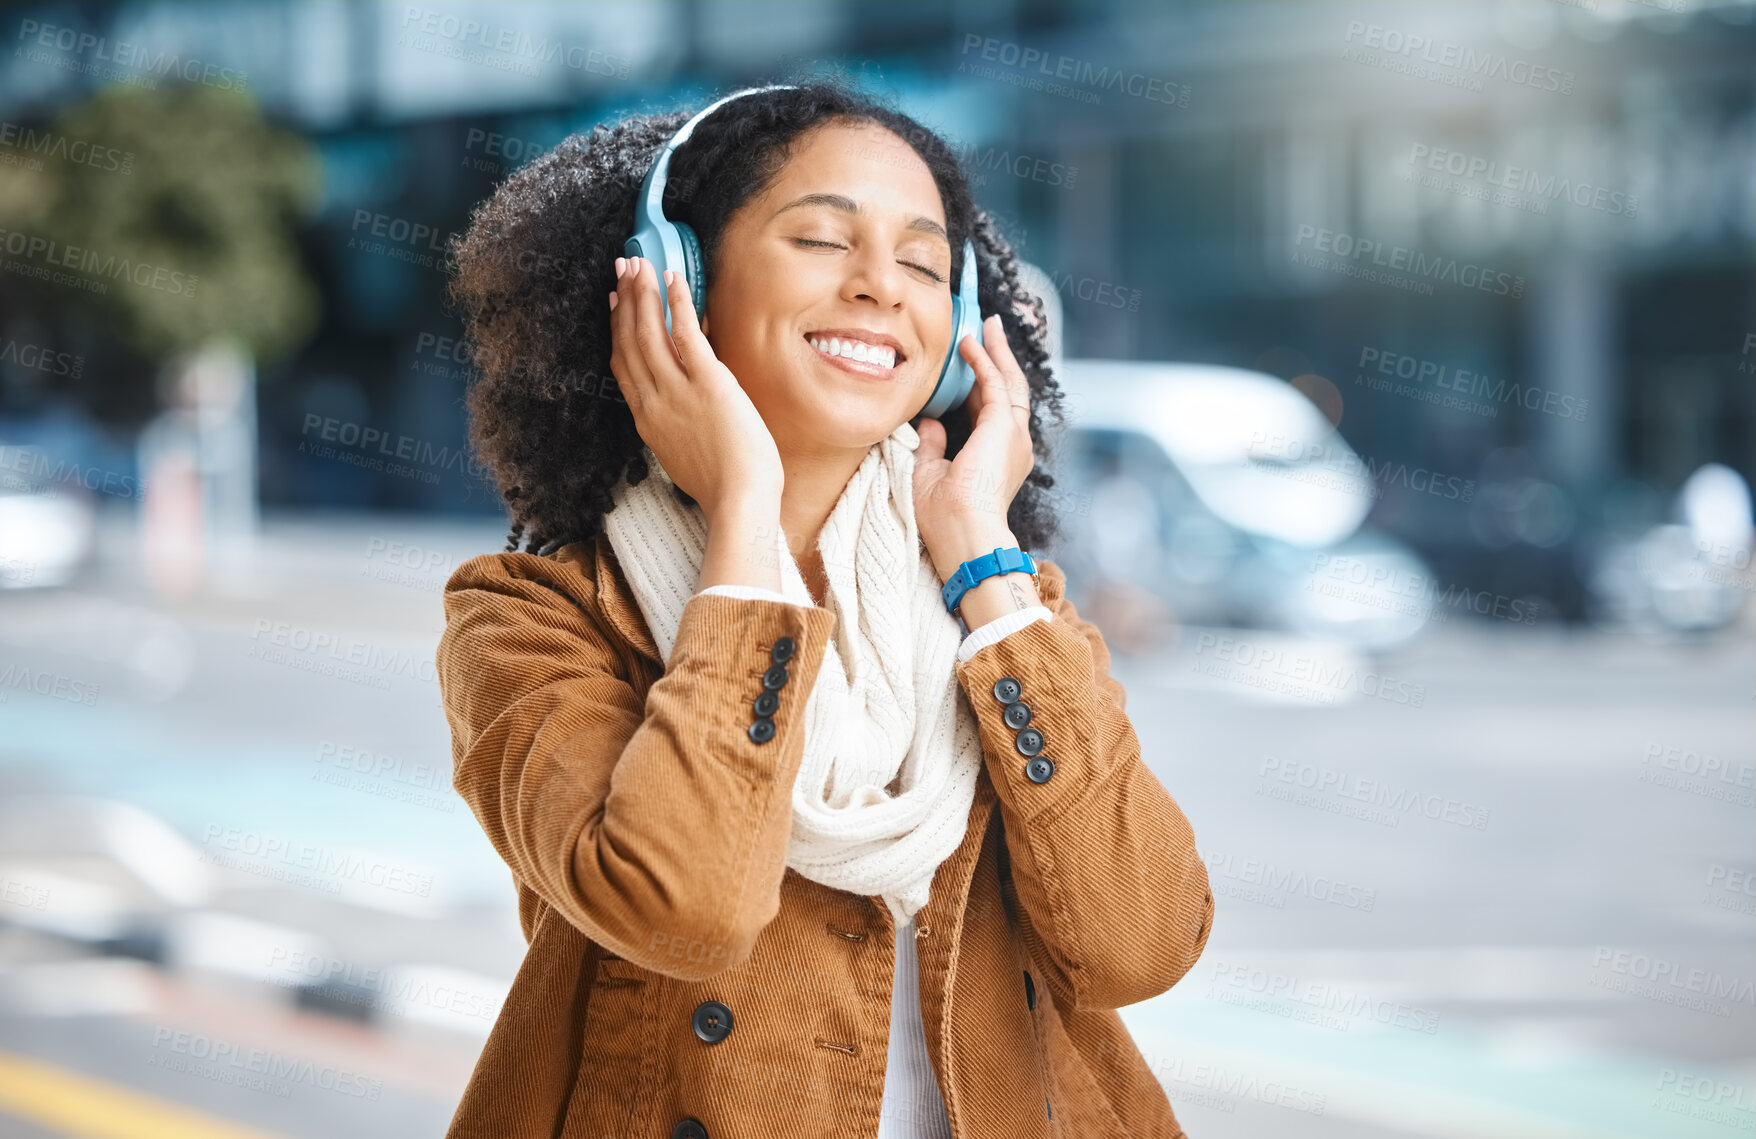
column 783, row 650
column 766, row 704
column 1029, row 741
column 689, row 1129
column 1039, row 769
column 775, row 678
column 713, row 1023
column 1007, row 689
column 1017, row 715
column 1030, row 990
column 761, row 731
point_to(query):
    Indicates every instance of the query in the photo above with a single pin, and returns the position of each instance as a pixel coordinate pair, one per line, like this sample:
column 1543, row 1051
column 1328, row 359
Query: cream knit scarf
column 886, row 700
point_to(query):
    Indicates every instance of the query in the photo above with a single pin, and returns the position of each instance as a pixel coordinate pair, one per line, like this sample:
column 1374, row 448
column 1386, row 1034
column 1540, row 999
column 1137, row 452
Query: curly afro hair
column 531, row 273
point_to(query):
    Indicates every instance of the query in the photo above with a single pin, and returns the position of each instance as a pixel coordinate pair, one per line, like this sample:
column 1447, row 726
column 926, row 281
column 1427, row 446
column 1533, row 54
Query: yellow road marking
column 84, row 1108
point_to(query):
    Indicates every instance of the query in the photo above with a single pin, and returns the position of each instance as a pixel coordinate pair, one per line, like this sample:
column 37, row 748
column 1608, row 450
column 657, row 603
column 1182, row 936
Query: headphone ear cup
column 960, row 377
column 956, row 377
column 694, row 272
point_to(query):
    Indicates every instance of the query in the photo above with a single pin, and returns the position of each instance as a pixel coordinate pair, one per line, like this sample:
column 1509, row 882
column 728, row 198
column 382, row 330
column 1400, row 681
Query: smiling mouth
column 868, row 359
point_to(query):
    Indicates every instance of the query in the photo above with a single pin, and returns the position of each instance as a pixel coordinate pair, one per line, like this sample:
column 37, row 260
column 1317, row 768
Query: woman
column 794, row 855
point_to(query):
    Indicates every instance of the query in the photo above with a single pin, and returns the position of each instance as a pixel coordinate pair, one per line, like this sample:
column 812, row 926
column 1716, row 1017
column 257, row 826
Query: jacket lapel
column 616, row 602
column 942, row 918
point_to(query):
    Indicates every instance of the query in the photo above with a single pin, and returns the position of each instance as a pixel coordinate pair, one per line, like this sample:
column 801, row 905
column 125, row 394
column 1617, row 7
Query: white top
column 912, row 1107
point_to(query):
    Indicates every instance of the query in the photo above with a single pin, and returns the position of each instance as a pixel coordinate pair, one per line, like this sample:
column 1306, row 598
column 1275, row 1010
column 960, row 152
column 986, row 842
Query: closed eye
column 910, row 264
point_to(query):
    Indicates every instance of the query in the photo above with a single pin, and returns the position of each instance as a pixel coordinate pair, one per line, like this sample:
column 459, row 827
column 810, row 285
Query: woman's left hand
column 961, row 504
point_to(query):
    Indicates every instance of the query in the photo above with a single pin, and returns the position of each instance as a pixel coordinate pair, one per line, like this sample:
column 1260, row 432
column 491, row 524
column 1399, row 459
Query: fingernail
column 668, row 278
column 614, row 297
column 621, row 264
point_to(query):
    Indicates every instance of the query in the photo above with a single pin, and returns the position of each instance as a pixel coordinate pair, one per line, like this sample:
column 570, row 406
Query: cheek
column 936, row 337
column 746, row 358
column 929, row 366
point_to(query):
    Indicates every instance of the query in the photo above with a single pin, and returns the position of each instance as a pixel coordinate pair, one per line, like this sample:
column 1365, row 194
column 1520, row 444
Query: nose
column 874, row 275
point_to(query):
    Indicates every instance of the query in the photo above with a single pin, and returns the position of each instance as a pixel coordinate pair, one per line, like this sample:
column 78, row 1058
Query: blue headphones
column 673, row 245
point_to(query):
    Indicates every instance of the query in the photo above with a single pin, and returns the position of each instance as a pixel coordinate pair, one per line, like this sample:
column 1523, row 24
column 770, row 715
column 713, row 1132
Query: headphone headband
column 653, row 189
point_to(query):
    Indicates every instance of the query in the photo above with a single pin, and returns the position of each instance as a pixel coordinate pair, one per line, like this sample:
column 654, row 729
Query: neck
column 815, row 479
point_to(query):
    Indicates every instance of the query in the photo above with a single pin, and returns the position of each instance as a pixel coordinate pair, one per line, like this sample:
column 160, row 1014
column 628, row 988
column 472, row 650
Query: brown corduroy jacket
column 646, row 830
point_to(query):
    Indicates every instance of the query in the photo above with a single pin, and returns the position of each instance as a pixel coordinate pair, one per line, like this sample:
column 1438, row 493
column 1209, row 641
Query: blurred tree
column 213, row 191
column 192, row 232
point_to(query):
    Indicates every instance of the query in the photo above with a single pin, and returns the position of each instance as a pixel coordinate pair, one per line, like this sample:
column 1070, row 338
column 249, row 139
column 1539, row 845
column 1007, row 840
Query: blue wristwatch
column 1004, row 559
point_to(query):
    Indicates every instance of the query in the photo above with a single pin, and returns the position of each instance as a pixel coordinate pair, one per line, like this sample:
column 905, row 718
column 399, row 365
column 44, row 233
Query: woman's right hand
column 688, row 407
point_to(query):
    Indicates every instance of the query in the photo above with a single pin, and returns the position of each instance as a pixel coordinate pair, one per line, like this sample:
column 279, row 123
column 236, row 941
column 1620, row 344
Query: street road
column 1497, row 884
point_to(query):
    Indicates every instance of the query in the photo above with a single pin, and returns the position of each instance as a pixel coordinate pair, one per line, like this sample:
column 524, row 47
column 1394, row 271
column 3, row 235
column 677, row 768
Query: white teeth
column 881, row 355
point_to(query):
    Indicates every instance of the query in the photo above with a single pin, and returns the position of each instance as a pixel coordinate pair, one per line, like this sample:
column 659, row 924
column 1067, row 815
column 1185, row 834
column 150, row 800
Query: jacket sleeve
column 659, row 830
column 1115, row 900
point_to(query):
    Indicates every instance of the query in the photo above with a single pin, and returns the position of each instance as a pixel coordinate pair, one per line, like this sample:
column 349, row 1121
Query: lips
column 866, row 337
column 874, row 364
column 852, row 352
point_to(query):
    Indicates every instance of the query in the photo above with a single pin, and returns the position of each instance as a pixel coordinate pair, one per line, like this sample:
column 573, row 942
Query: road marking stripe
column 84, row 1108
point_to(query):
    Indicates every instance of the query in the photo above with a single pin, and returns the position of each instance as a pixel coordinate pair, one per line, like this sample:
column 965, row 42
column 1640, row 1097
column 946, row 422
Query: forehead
column 862, row 161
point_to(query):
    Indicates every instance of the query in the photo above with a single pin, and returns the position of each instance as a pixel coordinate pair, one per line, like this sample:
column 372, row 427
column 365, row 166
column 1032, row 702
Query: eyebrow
column 847, row 205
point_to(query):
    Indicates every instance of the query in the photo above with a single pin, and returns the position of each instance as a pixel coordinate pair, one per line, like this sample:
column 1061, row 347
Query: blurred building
column 1511, row 246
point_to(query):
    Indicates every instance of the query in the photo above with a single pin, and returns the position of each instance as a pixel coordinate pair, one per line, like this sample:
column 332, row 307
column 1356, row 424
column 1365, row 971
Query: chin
column 848, row 425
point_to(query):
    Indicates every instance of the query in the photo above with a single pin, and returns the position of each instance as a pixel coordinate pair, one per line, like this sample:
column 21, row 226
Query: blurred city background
column 1410, row 352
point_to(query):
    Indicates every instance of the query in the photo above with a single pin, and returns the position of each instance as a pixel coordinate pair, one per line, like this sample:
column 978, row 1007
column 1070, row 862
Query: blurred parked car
column 1688, row 574
column 46, row 526
column 1202, row 495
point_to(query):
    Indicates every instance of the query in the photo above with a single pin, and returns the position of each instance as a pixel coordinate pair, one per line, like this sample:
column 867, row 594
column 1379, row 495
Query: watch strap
column 1002, row 559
